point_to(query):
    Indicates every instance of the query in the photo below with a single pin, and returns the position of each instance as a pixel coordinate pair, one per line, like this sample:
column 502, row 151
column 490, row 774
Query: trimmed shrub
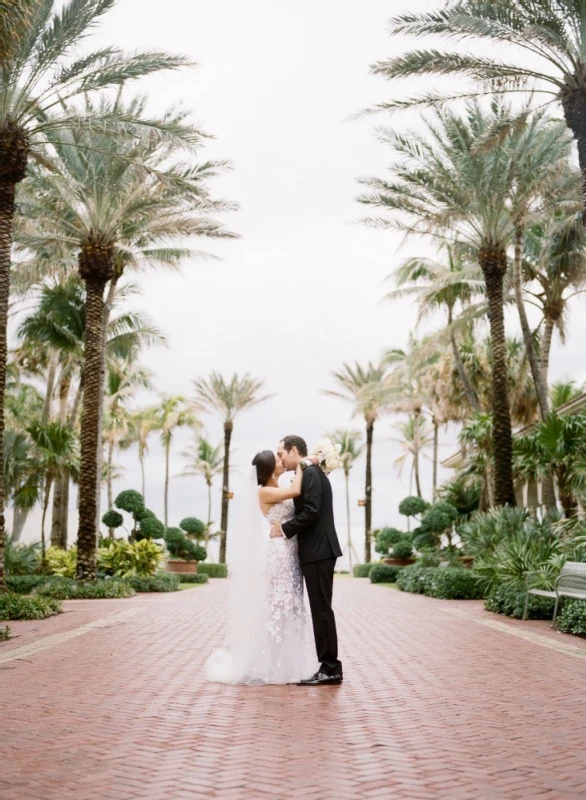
column 408, row 578
column 386, row 538
column 403, row 549
column 193, row 526
column 24, row 584
column 412, row 506
column 454, row 583
column 423, row 539
column 130, row 501
column 213, row 570
column 509, row 600
column 162, row 582
column 196, row 578
column 179, row 546
column 150, row 528
column 362, row 570
column 384, row 573
column 18, row 606
column 112, row 519
column 96, row 590
column 573, row 617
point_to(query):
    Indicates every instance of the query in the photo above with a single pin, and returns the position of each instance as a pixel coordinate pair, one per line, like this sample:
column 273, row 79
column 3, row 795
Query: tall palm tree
column 205, row 460
column 226, row 399
column 366, row 388
column 351, row 448
column 172, row 412
column 38, row 68
column 447, row 185
column 140, row 426
column 535, row 46
column 415, row 438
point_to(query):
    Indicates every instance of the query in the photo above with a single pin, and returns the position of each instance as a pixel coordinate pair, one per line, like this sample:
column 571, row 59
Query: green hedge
column 213, row 570
column 454, row 583
column 362, row 570
column 18, row 606
column 509, row 600
column 573, row 617
column 408, row 578
column 199, row 577
column 24, row 584
column 384, row 573
column 70, row 590
column 162, row 582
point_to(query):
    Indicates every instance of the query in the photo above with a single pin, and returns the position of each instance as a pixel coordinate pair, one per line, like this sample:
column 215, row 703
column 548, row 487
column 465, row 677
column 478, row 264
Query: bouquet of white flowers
column 328, row 454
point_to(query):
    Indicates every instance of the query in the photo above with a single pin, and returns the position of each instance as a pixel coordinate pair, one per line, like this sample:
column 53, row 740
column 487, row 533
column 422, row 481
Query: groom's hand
column 276, row 532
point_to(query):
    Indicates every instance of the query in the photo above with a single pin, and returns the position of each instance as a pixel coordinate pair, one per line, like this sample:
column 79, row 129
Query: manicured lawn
column 183, row 586
column 389, row 585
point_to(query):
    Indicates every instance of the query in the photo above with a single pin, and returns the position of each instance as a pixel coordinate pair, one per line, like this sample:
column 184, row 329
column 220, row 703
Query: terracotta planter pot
column 180, row 567
column 466, row 561
column 399, row 562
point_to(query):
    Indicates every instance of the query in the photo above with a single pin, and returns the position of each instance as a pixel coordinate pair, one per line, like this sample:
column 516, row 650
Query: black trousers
column 319, row 580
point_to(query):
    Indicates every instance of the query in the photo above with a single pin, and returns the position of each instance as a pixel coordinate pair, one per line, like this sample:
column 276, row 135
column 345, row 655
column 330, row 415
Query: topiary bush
column 24, row 584
column 408, row 578
column 150, row 528
column 94, row 590
column 213, row 570
column 161, row 582
column 193, row 526
column 196, row 578
column 403, row 549
column 179, row 546
column 384, row 573
column 572, row 618
column 439, row 519
column 509, row 600
column 361, row 570
column 386, row 538
column 453, row 583
column 130, row 501
column 412, row 506
column 18, row 606
column 112, row 519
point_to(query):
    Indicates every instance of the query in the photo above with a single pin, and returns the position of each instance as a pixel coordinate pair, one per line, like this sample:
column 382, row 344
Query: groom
column 318, row 550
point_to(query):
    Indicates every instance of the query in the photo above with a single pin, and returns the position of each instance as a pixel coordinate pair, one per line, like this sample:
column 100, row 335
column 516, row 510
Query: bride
column 266, row 617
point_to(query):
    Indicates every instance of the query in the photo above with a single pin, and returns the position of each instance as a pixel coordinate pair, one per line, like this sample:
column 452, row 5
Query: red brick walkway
column 435, row 705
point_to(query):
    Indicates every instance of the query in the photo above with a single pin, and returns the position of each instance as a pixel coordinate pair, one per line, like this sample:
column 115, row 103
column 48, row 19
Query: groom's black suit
column 318, row 550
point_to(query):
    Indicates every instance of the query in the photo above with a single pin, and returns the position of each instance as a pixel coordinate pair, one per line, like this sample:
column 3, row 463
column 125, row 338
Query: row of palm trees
column 91, row 185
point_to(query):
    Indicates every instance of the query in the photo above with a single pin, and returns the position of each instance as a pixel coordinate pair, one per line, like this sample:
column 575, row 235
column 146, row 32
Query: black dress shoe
column 321, row 679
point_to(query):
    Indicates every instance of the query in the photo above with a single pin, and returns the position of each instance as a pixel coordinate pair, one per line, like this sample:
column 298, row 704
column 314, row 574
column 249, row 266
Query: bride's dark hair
column 265, row 463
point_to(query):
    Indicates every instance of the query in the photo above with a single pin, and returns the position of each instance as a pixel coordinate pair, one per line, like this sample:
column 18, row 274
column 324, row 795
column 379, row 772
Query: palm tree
column 447, row 185
column 445, row 285
column 226, row 399
column 54, row 452
column 351, row 448
column 206, row 460
column 37, row 70
column 140, row 426
column 551, row 34
column 415, row 438
column 366, row 388
column 172, row 412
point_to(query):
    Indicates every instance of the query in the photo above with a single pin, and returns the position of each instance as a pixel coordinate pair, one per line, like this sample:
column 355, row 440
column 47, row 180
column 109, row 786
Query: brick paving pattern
column 436, row 704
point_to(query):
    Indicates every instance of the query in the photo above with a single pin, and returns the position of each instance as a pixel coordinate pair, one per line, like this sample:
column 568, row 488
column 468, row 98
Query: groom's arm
column 312, row 500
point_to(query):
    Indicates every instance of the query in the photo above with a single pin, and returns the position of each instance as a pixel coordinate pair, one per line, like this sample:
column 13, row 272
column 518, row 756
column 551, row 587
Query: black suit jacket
column 314, row 519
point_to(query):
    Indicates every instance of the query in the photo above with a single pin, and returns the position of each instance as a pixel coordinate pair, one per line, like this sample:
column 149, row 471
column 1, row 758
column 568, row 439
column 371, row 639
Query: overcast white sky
column 299, row 293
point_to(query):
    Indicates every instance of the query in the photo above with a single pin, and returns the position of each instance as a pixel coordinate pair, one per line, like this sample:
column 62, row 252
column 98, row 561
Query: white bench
column 571, row 582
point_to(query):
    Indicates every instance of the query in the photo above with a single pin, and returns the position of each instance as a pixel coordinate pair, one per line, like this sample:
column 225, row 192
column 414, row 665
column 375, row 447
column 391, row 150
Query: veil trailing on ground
column 245, row 657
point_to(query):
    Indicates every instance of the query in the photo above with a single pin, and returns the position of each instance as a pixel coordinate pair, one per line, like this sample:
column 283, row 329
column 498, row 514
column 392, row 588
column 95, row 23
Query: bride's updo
column 265, row 463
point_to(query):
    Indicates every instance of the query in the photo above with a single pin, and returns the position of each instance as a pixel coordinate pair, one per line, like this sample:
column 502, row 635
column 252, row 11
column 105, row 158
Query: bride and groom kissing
column 267, row 642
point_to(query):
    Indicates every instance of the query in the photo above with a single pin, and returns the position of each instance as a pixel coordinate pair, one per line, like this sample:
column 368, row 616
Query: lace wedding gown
column 275, row 649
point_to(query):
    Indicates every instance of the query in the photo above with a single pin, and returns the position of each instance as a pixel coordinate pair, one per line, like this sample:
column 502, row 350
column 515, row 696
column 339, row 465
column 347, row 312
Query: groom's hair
column 295, row 441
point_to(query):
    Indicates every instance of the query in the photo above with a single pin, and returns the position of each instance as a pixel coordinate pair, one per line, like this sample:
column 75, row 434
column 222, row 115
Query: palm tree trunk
column 468, row 389
column 44, row 517
column 435, row 455
column 142, row 473
column 61, row 487
column 540, row 385
column 575, row 115
column 493, row 262
column 76, row 403
column 51, row 375
column 567, row 498
column 416, row 474
column 347, row 481
column 167, row 459
column 546, row 346
column 209, row 483
column 90, row 429
column 109, row 483
column 228, row 428
column 368, row 491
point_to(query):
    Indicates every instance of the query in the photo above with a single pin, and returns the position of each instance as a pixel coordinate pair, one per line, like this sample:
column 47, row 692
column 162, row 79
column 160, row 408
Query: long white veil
column 244, row 659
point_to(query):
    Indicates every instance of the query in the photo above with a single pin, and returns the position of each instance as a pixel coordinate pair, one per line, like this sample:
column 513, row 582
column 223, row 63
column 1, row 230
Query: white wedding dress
column 268, row 641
